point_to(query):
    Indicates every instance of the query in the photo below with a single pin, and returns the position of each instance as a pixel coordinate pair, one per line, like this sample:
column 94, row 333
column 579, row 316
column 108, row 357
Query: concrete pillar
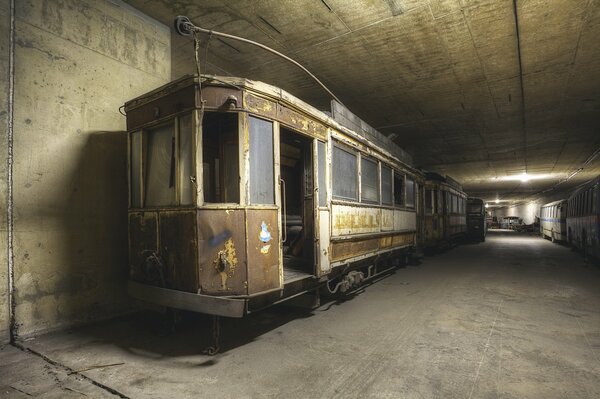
column 77, row 62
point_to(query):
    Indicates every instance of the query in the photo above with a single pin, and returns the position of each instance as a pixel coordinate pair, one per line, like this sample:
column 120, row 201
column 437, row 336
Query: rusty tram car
column 444, row 216
column 476, row 219
column 243, row 196
column 583, row 219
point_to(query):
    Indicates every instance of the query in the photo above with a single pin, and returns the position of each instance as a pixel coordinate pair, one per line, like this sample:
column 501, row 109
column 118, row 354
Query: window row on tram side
column 162, row 163
column 357, row 177
column 551, row 211
column 583, row 203
column 455, row 204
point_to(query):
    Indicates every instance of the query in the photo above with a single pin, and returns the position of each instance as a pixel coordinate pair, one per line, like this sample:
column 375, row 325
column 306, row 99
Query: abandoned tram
column 242, row 196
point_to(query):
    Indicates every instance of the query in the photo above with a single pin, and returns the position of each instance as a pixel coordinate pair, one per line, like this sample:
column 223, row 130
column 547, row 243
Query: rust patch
column 142, row 242
column 226, row 262
column 301, row 122
column 221, row 235
column 348, row 249
column 259, row 105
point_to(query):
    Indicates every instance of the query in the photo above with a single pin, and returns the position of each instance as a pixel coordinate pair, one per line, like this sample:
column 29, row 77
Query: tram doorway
column 297, row 212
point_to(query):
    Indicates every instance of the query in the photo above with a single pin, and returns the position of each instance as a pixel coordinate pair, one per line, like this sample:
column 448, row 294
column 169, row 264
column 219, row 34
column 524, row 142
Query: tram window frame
column 261, row 176
column 220, row 140
column 142, row 153
column 338, row 183
column 369, row 162
column 399, row 193
column 412, row 184
column 387, row 191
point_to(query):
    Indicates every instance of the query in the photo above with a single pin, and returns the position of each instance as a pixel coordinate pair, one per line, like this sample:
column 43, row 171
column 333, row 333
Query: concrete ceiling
column 476, row 89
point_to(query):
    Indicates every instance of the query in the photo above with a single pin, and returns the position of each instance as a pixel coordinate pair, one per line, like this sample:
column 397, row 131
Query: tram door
column 297, row 205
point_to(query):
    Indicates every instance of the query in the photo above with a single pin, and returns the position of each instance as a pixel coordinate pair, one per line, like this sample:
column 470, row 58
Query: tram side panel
column 583, row 219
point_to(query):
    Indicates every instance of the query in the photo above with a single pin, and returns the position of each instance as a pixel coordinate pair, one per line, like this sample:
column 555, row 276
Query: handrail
column 283, row 211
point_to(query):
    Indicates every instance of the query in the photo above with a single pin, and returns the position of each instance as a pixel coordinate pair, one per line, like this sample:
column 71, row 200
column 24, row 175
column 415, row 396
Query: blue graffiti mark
column 265, row 235
column 218, row 239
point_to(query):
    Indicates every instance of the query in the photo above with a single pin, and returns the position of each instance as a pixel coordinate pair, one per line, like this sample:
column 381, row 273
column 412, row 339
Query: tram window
column 185, row 160
column 322, row 161
column 386, row 185
column 220, row 158
column 160, row 166
column 369, row 181
column 344, row 174
column 428, row 202
column 410, row 193
column 261, row 162
column 398, row 189
column 136, row 165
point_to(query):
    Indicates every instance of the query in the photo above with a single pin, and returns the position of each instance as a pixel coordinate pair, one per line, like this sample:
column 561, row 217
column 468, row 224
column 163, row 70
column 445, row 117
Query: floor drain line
column 70, row 370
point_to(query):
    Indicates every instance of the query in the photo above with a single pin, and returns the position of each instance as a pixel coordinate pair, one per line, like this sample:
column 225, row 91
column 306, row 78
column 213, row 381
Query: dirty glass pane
column 322, row 162
column 386, row 185
column 398, row 189
column 410, row 193
column 185, row 159
column 344, row 174
column 160, row 166
column 369, row 183
column 220, row 158
column 261, row 161
column 135, row 161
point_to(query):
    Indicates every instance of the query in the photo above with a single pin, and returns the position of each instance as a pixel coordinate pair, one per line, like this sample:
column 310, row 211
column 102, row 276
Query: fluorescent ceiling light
column 525, row 177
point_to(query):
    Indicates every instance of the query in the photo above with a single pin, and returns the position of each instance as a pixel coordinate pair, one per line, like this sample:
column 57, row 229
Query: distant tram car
column 553, row 221
column 242, row 196
column 583, row 219
column 444, row 213
column 476, row 219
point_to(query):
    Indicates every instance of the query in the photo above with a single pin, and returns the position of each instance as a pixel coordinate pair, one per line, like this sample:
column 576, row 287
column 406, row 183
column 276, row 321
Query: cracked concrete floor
column 514, row 317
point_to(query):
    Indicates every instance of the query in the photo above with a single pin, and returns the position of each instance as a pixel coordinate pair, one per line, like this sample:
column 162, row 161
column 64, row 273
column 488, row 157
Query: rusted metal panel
column 405, row 220
column 385, row 242
column 215, row 305
column 324, row 244
column 222, row 252
column 178, row 249
column 168, row 104
column 301, row 122
column 264, row 265
column 142, row 243
column 387, row 219
column 348, row 249
column 221, row 98
column 400, row 240
column 348, row 219
column 259, row 105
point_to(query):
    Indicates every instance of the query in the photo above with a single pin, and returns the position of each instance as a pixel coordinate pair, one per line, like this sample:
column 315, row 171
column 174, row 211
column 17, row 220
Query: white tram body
column 553, row 220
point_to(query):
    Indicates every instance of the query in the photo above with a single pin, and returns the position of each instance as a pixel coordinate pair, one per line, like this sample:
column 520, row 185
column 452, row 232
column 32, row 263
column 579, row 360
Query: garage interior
column 501, row 95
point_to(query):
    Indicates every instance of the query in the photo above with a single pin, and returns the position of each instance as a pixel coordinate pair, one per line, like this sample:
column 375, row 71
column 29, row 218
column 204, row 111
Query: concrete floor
column 514, row 317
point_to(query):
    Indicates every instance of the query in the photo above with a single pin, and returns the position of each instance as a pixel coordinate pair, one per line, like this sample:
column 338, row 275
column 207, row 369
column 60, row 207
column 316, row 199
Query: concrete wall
column 530, row 210
column 77, row 62
column 4, row 52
